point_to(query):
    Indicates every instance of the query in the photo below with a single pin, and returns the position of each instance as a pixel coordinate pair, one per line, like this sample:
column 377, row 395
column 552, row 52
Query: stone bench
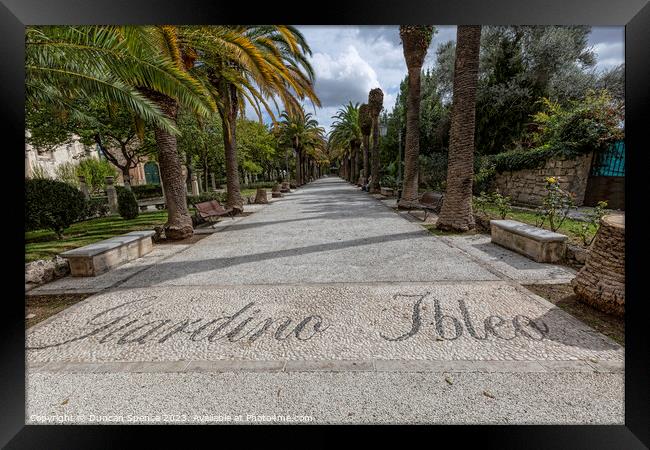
column 536, row 243
column 94, row 259
column 386, row 192
column 158, row 202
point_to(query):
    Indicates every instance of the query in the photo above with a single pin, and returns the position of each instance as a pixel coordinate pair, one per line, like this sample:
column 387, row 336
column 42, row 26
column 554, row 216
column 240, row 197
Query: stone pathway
column 330, row 305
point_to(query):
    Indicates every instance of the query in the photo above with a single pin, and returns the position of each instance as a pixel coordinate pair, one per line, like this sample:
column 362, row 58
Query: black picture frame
column 634, row 14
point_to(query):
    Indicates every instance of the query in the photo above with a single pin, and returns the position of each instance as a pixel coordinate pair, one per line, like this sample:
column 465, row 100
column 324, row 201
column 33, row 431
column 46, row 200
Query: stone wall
column 527, row 187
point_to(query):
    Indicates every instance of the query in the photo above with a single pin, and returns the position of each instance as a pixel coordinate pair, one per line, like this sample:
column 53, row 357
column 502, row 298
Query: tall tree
column 415, row 42
column 139, row 67
column 65, row 63
column 179, row 221
column 267, row 62
column 365, row 123
column 346, row 133
column 456, row 212
column 375, row 105
column 300, row 131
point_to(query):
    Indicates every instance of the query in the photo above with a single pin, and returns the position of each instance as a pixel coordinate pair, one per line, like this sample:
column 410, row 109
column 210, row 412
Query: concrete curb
column 525, row 366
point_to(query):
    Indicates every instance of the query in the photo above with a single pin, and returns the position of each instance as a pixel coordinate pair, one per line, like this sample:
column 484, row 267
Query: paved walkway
column 325, row 304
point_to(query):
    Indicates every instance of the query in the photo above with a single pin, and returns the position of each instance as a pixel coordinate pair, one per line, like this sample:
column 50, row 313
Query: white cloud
column 344, row 77
column 610, row 54
column 351, row 60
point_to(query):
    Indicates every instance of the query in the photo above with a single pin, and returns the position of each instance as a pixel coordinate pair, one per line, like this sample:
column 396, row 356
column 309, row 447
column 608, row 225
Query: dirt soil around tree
column 40, row 307
column 563, row 297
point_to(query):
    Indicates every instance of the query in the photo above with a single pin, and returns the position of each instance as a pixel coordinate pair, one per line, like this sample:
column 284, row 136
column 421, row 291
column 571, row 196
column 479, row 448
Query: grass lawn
column 248, row 192
column 43, row 244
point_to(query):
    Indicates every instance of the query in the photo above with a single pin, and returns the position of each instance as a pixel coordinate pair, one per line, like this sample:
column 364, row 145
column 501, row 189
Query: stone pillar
column 112, row 195
column 601, row 281
column 195, row 184
column 83, row 187
column 214, row 185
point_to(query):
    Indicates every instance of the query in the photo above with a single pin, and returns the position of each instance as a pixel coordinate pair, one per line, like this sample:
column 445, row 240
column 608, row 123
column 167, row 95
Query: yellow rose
column 551, row 180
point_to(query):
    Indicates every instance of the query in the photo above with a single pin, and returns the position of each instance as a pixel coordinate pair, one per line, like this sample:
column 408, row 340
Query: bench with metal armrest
column 429, row 202
column 206, row 211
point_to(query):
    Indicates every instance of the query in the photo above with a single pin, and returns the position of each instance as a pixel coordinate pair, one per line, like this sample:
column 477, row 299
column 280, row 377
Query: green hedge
column 97, row 207
column 127, row 205
column 260, row 184
column 206, row 196
column 52, row 205
column 523, row 159
column 143, row 191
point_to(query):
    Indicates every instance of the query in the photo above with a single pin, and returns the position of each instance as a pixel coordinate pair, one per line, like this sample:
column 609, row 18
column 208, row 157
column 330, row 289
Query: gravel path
column 330, row 305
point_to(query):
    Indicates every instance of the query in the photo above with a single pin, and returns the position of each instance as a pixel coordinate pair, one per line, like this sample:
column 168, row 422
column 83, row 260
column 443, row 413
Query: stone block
column 536, row 243
column 95, row 259
column 387, row 192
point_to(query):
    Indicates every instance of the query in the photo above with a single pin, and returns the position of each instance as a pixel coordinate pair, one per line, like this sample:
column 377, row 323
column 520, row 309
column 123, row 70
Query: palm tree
column 300, row 131
column 258, row 64
column 65, row 63
column 346, row 133
column 365, row 123
column 142, row 68
column 415, row 41
column 375, row 104
column 456, row 212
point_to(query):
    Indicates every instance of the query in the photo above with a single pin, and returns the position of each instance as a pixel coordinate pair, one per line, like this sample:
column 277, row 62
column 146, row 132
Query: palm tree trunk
column 412, row 144
column 366, row 150
column 303, row 171
column 456, row 212
column 354, row 161
column 374, row 187
column 229, row 120
column 298, row 168
column 179, row 221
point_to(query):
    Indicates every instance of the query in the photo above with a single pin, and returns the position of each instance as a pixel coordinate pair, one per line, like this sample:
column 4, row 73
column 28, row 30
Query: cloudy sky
column 351, row 60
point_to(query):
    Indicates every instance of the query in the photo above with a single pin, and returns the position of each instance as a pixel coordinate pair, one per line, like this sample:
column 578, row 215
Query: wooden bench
column 205, row 211
column 94, row 259
column 158, row 202
column 429, row 202
column 536, row 243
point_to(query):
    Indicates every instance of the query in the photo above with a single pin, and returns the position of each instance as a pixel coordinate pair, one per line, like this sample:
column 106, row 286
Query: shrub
column 593, row 223
column 502, row 204
column 261, row 184
column 52, row 205
column 484, row 172
column 481, row 204
column 206, row 196
column 495, row 199
column 147, row 191
column 556, row 205
column 67, row 172
column 39, row 172
column 97, row 207
column 589, row 124
column 433, row 171
column 391, row 182
column 520, row 159
column 127, row 205
column 96, row 171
